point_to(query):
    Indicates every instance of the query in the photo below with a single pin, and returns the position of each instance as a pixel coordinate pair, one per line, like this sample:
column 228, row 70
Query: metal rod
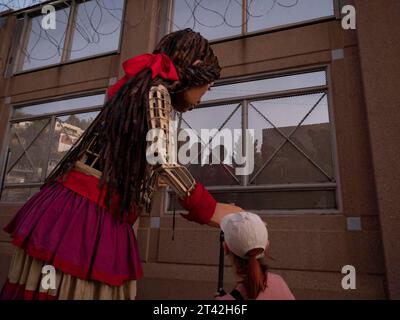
column 220, row 288
column 3, row 178
column 57, row 114
column 264, row 96
column 30, row 144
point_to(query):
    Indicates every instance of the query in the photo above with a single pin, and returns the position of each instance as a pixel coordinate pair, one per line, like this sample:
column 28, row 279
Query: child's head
column 195, row 62
column 246, row 237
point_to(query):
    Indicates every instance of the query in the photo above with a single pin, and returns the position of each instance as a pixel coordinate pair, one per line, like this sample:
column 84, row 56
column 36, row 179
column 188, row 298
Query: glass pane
column 66, row 132
column 17, row 194
column 289, row 112
column 44, row 47
column 17, row 4
column 249, row 88
column 60, row 106
column 212, row 18
column 264, row 14
column 28, row 148
column 314, row 137
column 266, row 140
column 273, row 200
column 213, row 117
column 228, row 118
column 97, row 28
column 274, row 119
column 289, row 166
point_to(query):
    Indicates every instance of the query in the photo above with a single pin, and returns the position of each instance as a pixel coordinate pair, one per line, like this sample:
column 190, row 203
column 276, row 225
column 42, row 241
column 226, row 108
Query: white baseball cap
column 243, row 232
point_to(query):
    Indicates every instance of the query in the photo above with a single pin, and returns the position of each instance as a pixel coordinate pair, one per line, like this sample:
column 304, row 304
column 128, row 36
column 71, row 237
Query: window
column 97, row 28
column 83, row 29
column 291, row 146
column 216, row 19
column 6, row 5
column 39, row 136
column 43, row 46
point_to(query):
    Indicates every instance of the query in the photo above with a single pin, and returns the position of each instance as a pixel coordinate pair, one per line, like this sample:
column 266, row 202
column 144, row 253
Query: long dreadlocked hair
column 119, row 131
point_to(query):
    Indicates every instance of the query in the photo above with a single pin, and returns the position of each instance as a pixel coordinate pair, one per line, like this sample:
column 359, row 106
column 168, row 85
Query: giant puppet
column 81, row 220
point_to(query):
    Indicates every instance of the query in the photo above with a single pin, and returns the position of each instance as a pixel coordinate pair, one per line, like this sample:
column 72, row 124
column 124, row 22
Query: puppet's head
column 119, row 131
column 195, row 62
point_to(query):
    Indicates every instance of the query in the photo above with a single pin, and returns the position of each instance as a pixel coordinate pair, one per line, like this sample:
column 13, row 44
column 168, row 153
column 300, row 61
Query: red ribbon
column 160, row 65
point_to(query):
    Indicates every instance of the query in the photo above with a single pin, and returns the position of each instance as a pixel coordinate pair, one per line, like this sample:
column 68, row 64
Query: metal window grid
column 245, row 102
column 51, row 121
column 244, row 32
column 22, row 33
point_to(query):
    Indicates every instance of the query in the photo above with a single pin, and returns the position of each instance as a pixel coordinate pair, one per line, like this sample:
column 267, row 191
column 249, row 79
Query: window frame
column 52, row 119
column 334, row 186
column 244, row 33
column 23, row 31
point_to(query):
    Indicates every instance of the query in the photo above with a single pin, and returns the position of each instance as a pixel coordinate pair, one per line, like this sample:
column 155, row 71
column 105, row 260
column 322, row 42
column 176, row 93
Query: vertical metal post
column 244, row 17
column 46, row 157
column 245, row 126
column 3, row 178
column 170, row 16
column 66, row 50
column 21, row 45
column 221, row 265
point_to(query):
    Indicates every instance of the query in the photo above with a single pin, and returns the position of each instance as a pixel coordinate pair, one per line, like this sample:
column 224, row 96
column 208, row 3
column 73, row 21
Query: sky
column 17, row 4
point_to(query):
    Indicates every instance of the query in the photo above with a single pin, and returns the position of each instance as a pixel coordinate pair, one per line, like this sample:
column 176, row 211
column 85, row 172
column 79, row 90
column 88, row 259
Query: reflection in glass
column 292, row 143
column 67, row 131
column 266, row 139
column 289, row 166
column 314, row 137
column 212, row 18
column 249, row 88
column 97, row 28
column 36, row 146
column 44, row 47
column 264, row 14
column 308, row 150
column 28, row 144
column 60, row 106
column 217, row 117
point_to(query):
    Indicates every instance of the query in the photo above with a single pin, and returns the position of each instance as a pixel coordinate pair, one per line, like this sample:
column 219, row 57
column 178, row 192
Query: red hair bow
column 160, row 65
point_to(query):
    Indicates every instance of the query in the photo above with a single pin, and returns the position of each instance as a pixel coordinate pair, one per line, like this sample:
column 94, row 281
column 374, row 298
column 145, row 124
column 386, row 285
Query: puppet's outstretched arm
column 193, row 196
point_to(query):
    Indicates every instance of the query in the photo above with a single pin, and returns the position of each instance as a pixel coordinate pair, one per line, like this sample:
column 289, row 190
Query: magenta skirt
column 76, row 236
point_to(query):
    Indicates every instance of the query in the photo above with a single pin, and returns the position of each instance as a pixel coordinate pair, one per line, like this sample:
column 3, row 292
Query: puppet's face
column 191, row 97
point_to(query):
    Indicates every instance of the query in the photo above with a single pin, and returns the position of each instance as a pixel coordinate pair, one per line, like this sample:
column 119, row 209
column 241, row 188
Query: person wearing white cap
column 246, row 241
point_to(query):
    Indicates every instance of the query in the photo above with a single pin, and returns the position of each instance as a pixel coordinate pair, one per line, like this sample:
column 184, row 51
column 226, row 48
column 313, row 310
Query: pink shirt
column 276, row 289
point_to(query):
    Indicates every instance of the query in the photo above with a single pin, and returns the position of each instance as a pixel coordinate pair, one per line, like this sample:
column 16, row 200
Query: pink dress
column 276, row 289
column 95, row 255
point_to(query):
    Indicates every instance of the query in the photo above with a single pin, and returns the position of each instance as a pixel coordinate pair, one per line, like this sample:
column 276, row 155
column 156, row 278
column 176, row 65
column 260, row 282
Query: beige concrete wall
column 309, row 250
column 378, row 34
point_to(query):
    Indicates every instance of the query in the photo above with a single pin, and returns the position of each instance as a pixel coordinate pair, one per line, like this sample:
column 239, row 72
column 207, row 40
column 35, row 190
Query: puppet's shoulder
column 159, row 92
